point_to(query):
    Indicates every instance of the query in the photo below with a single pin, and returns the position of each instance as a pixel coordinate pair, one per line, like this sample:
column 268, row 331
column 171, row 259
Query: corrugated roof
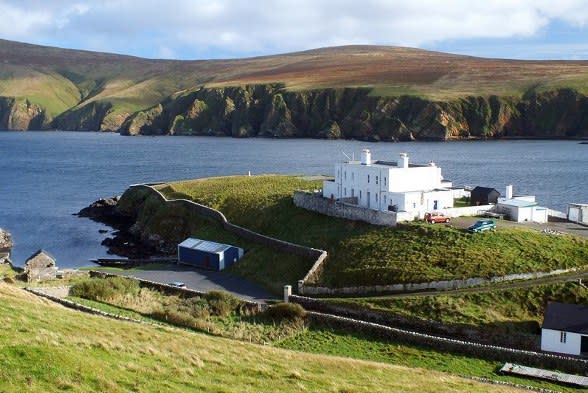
column 566, row 317
column 204, row 245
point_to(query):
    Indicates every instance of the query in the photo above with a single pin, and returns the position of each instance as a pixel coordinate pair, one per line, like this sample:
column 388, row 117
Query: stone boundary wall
column 316, row 202
column 433, row 285
column 79, row 307
column 490, row 352
column 171, row 290
column 318, row 255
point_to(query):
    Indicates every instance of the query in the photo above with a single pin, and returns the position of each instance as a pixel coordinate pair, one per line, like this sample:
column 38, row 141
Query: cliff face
column 21, row 115
column 269, row 110
column 272, row 111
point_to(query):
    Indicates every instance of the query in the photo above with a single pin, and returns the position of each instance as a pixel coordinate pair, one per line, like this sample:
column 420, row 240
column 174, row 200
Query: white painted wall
column 540, row 214
column 378, row 186
column 551, row 341
column 578, row 213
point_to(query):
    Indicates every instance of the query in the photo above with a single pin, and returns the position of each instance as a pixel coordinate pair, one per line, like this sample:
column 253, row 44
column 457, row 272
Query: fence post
column 287, row 293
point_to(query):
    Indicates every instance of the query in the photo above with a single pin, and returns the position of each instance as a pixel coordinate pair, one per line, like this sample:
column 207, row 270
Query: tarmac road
column 204, row 280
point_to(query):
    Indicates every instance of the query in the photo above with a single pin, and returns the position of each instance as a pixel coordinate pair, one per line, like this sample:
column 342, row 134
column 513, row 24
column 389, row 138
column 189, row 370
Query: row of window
column 368, row 177
column 360, row 194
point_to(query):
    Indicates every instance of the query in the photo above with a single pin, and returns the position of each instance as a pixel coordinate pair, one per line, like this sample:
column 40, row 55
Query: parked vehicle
column 435, row 218
column 482, row 225
column 177, row 284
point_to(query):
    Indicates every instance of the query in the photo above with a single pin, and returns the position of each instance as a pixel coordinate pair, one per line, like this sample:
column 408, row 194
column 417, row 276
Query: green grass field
column 47, row 348
column 325, row 340
column 363, row 254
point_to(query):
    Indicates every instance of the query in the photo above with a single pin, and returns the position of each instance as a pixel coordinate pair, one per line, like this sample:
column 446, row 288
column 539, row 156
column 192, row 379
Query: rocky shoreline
column 126, row 240
column 5, row 246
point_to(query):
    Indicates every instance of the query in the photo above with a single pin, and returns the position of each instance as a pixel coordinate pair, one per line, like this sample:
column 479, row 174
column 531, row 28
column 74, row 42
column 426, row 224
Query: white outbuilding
column 565, row 329
column 578, row 212
column 521, row 208
column 390, row 185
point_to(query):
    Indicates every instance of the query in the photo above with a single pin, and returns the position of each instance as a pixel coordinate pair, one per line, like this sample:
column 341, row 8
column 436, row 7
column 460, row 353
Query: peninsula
column 360, row 92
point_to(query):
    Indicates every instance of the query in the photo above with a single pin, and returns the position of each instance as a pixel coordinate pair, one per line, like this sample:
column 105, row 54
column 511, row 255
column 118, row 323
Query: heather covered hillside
column 362, row 92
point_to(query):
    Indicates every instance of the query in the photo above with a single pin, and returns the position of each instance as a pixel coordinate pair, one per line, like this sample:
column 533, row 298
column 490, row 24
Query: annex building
column 390, row 185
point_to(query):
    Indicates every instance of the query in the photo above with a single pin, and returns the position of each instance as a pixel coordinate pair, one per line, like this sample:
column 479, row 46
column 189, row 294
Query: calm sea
column 45, row 177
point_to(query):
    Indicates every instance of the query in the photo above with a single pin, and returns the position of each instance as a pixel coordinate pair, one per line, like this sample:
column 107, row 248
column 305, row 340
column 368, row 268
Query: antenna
column 346, row 155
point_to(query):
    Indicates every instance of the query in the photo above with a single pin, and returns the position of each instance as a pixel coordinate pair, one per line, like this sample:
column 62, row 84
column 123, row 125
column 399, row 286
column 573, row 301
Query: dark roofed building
column 483, row 196
column 565, row 329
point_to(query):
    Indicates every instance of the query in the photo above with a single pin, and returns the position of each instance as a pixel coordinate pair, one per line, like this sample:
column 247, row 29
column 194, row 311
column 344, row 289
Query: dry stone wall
column 315, row 202
column 424, row 286
column 490, row 352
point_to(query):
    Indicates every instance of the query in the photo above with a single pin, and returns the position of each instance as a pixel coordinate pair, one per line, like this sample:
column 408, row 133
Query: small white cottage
column 565, row 329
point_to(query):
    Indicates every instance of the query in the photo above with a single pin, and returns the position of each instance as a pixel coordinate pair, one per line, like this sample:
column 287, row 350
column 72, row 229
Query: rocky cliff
column 272, row 111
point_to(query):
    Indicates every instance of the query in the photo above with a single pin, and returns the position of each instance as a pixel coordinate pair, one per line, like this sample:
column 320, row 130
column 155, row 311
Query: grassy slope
column 46, row 348
column 363, row 254
column 500, row 310
column 356, row 345
column 61, row 78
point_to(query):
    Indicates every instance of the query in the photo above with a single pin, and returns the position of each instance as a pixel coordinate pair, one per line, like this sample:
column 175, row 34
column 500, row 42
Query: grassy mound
column 46, row 348
column 363, row 254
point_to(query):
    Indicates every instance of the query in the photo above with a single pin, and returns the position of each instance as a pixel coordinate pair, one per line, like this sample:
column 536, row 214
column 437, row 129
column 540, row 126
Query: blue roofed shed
column 207, row 254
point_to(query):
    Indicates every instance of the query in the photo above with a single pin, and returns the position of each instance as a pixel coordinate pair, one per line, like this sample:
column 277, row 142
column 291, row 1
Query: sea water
column 46, row 177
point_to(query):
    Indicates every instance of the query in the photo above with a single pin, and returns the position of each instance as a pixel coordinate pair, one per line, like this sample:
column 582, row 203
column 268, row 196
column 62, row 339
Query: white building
column 521, row 208
column 565, row 329
column 387, row 185
column 578, row 212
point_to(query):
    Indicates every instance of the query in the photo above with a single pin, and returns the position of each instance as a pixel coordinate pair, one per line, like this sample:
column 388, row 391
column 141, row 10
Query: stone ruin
column 40, row 266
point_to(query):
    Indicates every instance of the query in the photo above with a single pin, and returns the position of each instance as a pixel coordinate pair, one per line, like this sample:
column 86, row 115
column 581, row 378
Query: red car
column 435, row 218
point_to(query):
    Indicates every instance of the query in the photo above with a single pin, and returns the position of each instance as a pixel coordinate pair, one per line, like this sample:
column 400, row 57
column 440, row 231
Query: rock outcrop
column 21, row 115
column 5, row 246
column 349, row 113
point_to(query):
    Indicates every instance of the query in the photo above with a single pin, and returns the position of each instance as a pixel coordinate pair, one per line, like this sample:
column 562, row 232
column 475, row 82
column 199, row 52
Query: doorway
column 584, row 345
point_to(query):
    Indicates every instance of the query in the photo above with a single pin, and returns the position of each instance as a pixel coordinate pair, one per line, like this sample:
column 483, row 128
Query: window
column 368, row 178
column 352, row 193
column 376, row 179
column 414, row 205
column 384, row 181
column 562, row 337
column 345, row 191
column 384, row 199
column 359, row 194
column 376, row 197
column 352, row 176
column 345, row 175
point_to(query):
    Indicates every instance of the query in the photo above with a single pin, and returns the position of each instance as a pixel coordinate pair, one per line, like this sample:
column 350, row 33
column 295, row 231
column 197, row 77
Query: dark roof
column 484, row 190
column 566, row 317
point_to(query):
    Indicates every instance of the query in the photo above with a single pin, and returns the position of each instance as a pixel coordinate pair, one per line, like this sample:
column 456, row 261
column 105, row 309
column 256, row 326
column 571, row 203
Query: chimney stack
column 509, row 191
column 366, row 157
column 403, row 161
